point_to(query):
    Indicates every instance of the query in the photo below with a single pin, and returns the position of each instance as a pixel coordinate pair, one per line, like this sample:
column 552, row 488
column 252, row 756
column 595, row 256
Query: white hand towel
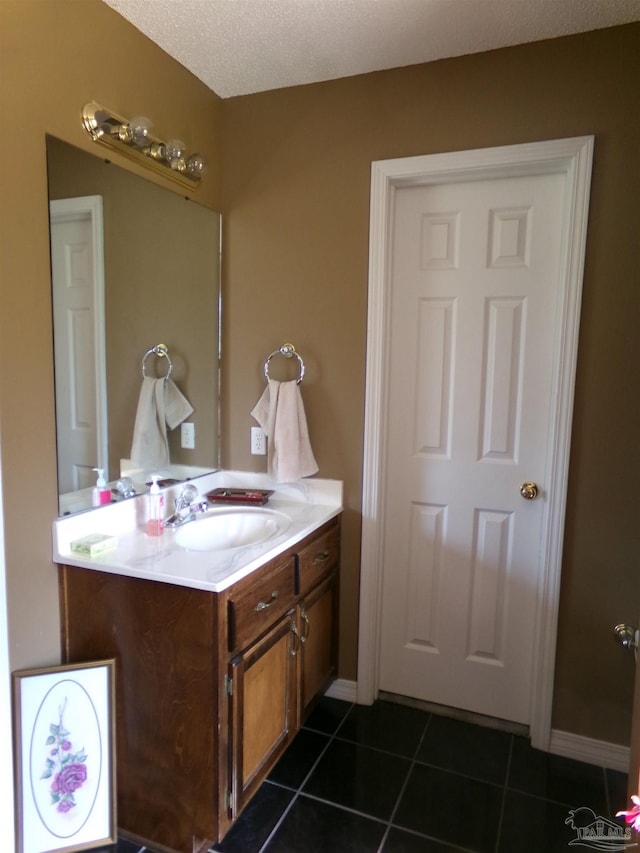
column 280, row 413
column 176, row 406
column 160, row 404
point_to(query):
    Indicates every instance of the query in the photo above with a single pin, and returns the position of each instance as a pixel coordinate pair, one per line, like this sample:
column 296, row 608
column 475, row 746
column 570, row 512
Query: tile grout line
column 284, row 814
column 412, row 764
column 504, row 795
column 607, row 792
column 390, row 824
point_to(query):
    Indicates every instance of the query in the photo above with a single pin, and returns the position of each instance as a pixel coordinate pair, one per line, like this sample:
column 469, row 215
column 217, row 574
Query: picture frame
column 64, row 739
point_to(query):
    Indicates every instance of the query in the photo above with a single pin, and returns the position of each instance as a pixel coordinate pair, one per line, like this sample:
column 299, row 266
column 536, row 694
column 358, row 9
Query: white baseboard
column 598, row 752
column 569, row 745
column 341, row 688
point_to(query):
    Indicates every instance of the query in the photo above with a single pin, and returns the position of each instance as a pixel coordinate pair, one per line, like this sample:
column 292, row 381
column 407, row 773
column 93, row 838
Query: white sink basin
column 232, row 528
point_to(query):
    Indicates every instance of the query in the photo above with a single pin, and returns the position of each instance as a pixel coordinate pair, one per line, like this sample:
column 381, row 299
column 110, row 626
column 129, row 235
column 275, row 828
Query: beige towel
column 280, row 413
column 160, row 405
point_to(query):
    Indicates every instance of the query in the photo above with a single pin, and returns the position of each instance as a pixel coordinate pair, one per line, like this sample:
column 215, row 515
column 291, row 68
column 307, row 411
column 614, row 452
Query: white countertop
column 308, row 503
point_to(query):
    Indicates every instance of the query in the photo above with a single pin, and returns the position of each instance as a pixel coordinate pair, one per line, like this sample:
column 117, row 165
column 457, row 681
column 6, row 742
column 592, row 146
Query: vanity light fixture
column 133, row 138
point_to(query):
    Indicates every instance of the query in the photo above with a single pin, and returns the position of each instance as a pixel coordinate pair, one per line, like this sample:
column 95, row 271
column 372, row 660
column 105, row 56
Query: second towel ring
column 288, row 351
column 162, row 352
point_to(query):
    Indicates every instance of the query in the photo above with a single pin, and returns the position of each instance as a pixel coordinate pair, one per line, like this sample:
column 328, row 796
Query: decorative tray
column 240, row 496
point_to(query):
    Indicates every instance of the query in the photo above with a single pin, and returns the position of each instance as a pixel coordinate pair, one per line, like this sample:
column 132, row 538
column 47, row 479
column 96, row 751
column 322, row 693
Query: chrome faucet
column 125, row 488
column 187, row 507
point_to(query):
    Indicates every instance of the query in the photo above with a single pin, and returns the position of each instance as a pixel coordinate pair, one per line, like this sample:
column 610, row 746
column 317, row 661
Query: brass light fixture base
column 110, row 129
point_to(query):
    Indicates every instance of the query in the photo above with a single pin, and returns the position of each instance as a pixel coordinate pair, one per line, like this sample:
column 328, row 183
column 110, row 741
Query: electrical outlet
column 188, row 436
column 258, row 442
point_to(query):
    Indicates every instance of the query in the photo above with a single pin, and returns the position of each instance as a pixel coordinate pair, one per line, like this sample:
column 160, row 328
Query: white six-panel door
column 474, row 275
column 448, row 543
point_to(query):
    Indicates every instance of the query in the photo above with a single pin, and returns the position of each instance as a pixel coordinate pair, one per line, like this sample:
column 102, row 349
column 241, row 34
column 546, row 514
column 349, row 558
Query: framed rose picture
column 65, row 757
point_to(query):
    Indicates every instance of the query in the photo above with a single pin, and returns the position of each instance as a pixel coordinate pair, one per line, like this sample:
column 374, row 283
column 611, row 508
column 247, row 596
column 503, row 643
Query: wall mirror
column 134, row 265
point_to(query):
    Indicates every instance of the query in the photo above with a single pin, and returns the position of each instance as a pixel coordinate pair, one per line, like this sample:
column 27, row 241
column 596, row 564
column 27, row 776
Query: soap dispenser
column 155, row 509
column 101, row 492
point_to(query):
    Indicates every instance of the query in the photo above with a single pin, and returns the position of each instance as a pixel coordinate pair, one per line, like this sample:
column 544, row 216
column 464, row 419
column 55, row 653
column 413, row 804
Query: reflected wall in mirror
column 161, row 276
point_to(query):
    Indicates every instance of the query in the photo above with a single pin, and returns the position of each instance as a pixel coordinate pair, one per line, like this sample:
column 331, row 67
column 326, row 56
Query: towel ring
column 288, row 351
column 162, row 352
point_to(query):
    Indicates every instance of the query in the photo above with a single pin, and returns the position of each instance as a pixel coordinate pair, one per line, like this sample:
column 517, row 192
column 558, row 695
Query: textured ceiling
column 238, row 47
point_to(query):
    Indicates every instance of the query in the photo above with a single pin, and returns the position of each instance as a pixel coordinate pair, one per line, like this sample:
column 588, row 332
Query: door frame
column 572, row 157
column 77, row 209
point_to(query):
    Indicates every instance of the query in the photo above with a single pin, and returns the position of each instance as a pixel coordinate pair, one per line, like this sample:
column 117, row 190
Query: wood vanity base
column 210, row 687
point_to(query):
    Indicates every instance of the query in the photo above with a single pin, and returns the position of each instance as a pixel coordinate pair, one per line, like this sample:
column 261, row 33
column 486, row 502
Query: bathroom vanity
column 215, row 668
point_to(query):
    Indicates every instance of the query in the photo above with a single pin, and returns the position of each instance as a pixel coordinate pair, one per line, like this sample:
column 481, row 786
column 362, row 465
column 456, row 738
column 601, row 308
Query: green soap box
column 93, row 544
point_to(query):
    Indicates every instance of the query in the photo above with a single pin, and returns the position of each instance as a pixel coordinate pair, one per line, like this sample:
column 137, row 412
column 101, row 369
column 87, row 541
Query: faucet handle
column 187, row 496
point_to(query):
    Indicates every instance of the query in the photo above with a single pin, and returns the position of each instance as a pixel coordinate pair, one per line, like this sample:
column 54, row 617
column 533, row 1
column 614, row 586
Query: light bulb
column 196, row 165
column 174, row 152
column 140, row 128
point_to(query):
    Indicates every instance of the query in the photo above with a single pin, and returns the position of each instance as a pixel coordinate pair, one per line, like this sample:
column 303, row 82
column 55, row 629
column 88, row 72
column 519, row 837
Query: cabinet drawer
column 254, row 608
column 318, row 559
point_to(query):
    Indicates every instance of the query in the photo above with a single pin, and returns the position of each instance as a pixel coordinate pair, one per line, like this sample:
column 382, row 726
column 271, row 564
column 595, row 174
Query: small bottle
column 101, row 492
column 154, row 524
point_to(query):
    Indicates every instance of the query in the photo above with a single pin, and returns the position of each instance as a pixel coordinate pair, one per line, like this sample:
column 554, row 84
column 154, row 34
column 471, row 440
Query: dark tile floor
column 394, row 779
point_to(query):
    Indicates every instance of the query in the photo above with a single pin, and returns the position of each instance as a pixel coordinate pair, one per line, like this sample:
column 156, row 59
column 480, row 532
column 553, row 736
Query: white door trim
column 573, row 157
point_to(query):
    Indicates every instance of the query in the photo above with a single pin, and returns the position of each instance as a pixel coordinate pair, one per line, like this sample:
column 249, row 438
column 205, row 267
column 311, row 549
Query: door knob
column 627, row 636
column 529, row 491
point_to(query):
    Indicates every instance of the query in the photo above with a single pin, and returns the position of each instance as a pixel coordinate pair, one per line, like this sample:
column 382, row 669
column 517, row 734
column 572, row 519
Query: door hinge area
column 227, row 800
column 228, row 685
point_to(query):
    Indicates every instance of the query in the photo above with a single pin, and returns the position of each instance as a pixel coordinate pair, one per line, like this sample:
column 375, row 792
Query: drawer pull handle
column 321, row 558
column 262, row 605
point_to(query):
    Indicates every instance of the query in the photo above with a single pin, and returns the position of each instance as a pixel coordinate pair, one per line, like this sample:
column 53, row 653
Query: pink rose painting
column 65, row 766
column 632, row 815
column 64, row 757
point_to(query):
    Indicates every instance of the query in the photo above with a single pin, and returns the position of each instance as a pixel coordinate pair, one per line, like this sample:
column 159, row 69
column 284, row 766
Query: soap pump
column 101, row 492
column 155, row 509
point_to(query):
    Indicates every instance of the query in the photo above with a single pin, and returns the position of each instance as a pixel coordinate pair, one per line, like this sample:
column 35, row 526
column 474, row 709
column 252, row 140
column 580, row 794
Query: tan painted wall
column 296, row 187
column 55, row 56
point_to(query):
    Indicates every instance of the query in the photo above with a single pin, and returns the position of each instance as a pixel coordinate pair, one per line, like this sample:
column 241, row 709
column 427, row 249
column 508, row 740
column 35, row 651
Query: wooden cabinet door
column 318, row 636
column 263, row 713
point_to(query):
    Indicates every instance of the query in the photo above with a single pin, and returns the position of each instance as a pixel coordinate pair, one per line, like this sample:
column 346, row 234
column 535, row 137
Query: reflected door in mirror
column 77, row 271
